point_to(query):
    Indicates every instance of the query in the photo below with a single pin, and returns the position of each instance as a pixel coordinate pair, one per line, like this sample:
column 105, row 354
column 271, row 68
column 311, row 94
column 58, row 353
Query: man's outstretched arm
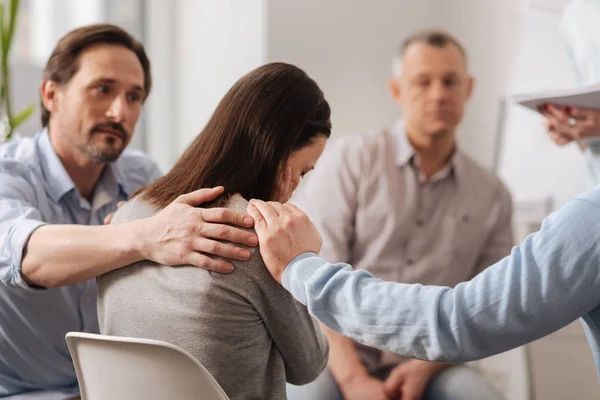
column 548, row 281
column 51, row 255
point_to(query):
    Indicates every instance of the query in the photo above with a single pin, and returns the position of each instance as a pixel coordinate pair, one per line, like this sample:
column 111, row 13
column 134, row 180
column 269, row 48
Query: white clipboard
column 582, row 97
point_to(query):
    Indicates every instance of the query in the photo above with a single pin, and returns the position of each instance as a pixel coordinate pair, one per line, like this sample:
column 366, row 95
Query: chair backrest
column 120, row 368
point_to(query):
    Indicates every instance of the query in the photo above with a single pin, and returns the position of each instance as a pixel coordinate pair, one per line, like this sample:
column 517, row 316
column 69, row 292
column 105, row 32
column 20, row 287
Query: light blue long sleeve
column 548, row 281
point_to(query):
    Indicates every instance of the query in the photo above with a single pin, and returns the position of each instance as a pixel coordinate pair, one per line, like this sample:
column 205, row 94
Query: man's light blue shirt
column 35, row 189
column 550, row 280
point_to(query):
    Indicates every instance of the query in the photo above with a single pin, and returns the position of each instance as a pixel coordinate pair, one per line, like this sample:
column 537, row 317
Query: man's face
column 433, row 88
column 97, row 110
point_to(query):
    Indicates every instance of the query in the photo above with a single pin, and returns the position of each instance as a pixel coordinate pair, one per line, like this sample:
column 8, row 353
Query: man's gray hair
column 431, row 37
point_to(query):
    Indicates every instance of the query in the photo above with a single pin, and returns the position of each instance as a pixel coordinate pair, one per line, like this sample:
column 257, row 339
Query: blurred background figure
column 405, row 203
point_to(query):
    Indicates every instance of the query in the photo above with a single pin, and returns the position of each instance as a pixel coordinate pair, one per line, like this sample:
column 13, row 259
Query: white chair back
column 120, row 368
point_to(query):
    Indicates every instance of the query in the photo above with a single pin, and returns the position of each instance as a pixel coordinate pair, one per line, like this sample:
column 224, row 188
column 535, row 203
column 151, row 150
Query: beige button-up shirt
column 376, row 211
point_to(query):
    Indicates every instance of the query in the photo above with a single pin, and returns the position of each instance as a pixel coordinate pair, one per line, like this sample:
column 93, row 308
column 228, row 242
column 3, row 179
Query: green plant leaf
column 12, row 22
column 22, row 116
column 2, row 53
column 2, row 30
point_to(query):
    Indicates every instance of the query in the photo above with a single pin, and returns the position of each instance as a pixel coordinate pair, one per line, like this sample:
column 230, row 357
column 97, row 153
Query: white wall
column 160, row 109
column 488, row 29
column 347, row 47
column 198, row 50
column 218, row 42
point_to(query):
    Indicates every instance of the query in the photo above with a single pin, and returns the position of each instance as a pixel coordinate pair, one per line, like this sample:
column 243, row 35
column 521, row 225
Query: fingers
column 559, row 121
column 227, row 233
column 581, row 115
column 558, row 129
column 219, row 249
column 108, row 218
column 200, row 196
column 392, row 384
column 278, row 207
column 551, row 122
column 559, row 138
column 268, row 212
column 227, row 216
column 207, row 263
column 560, row 115
column 259, row 221
column 410, row 394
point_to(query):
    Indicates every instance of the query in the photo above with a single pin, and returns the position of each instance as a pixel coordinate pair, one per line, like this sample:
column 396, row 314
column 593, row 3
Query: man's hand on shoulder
column 284, row 232
column 184, row 234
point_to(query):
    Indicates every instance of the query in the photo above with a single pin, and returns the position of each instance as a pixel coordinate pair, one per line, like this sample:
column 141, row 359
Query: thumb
column 259, row 221
column 108, row 218
column 200, row 196
column 410, row 392
column 392, row 385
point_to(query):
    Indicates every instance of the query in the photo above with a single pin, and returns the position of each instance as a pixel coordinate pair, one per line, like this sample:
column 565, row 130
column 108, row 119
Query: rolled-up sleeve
column 19, row 217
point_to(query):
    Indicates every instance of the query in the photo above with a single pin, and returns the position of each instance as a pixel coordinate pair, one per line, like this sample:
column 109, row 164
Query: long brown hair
column 266, row 115
column 63, row 62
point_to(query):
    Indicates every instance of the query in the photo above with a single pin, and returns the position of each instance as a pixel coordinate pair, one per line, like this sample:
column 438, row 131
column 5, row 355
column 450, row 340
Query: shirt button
column 420, row 222
column 410, row 261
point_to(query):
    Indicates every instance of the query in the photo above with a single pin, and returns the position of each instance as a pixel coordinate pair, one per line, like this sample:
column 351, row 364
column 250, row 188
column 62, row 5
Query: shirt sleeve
column 19, row 217
column 547, row 282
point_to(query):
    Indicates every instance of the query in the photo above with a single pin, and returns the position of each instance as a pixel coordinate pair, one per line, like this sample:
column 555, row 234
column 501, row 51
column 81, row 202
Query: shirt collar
column 405, row 154
column 108, row 187
column 60, row 183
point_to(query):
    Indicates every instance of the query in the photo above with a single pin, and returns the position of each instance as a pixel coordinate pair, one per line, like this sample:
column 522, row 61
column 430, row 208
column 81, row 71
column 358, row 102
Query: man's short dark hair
column 63, row 63
column 433, row 38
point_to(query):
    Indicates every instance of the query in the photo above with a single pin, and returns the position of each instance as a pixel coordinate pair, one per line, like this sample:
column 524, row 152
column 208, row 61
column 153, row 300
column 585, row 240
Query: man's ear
column 395, row 90
column 49, row 95
column 470, row 86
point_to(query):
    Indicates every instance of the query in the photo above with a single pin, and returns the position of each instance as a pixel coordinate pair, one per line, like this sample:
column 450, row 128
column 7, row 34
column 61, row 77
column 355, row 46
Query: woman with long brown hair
column 266, row 133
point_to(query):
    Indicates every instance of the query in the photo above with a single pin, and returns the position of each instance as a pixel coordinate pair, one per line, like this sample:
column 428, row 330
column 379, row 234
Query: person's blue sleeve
column 548, row 281
column 19, row 217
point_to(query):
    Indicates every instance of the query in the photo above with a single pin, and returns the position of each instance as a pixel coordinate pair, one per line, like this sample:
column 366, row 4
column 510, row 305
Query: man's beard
column 106, row 153
column 108, row 150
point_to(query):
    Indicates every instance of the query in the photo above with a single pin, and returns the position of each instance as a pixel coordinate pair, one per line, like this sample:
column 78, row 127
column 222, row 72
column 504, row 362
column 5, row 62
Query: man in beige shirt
column 406, row 204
